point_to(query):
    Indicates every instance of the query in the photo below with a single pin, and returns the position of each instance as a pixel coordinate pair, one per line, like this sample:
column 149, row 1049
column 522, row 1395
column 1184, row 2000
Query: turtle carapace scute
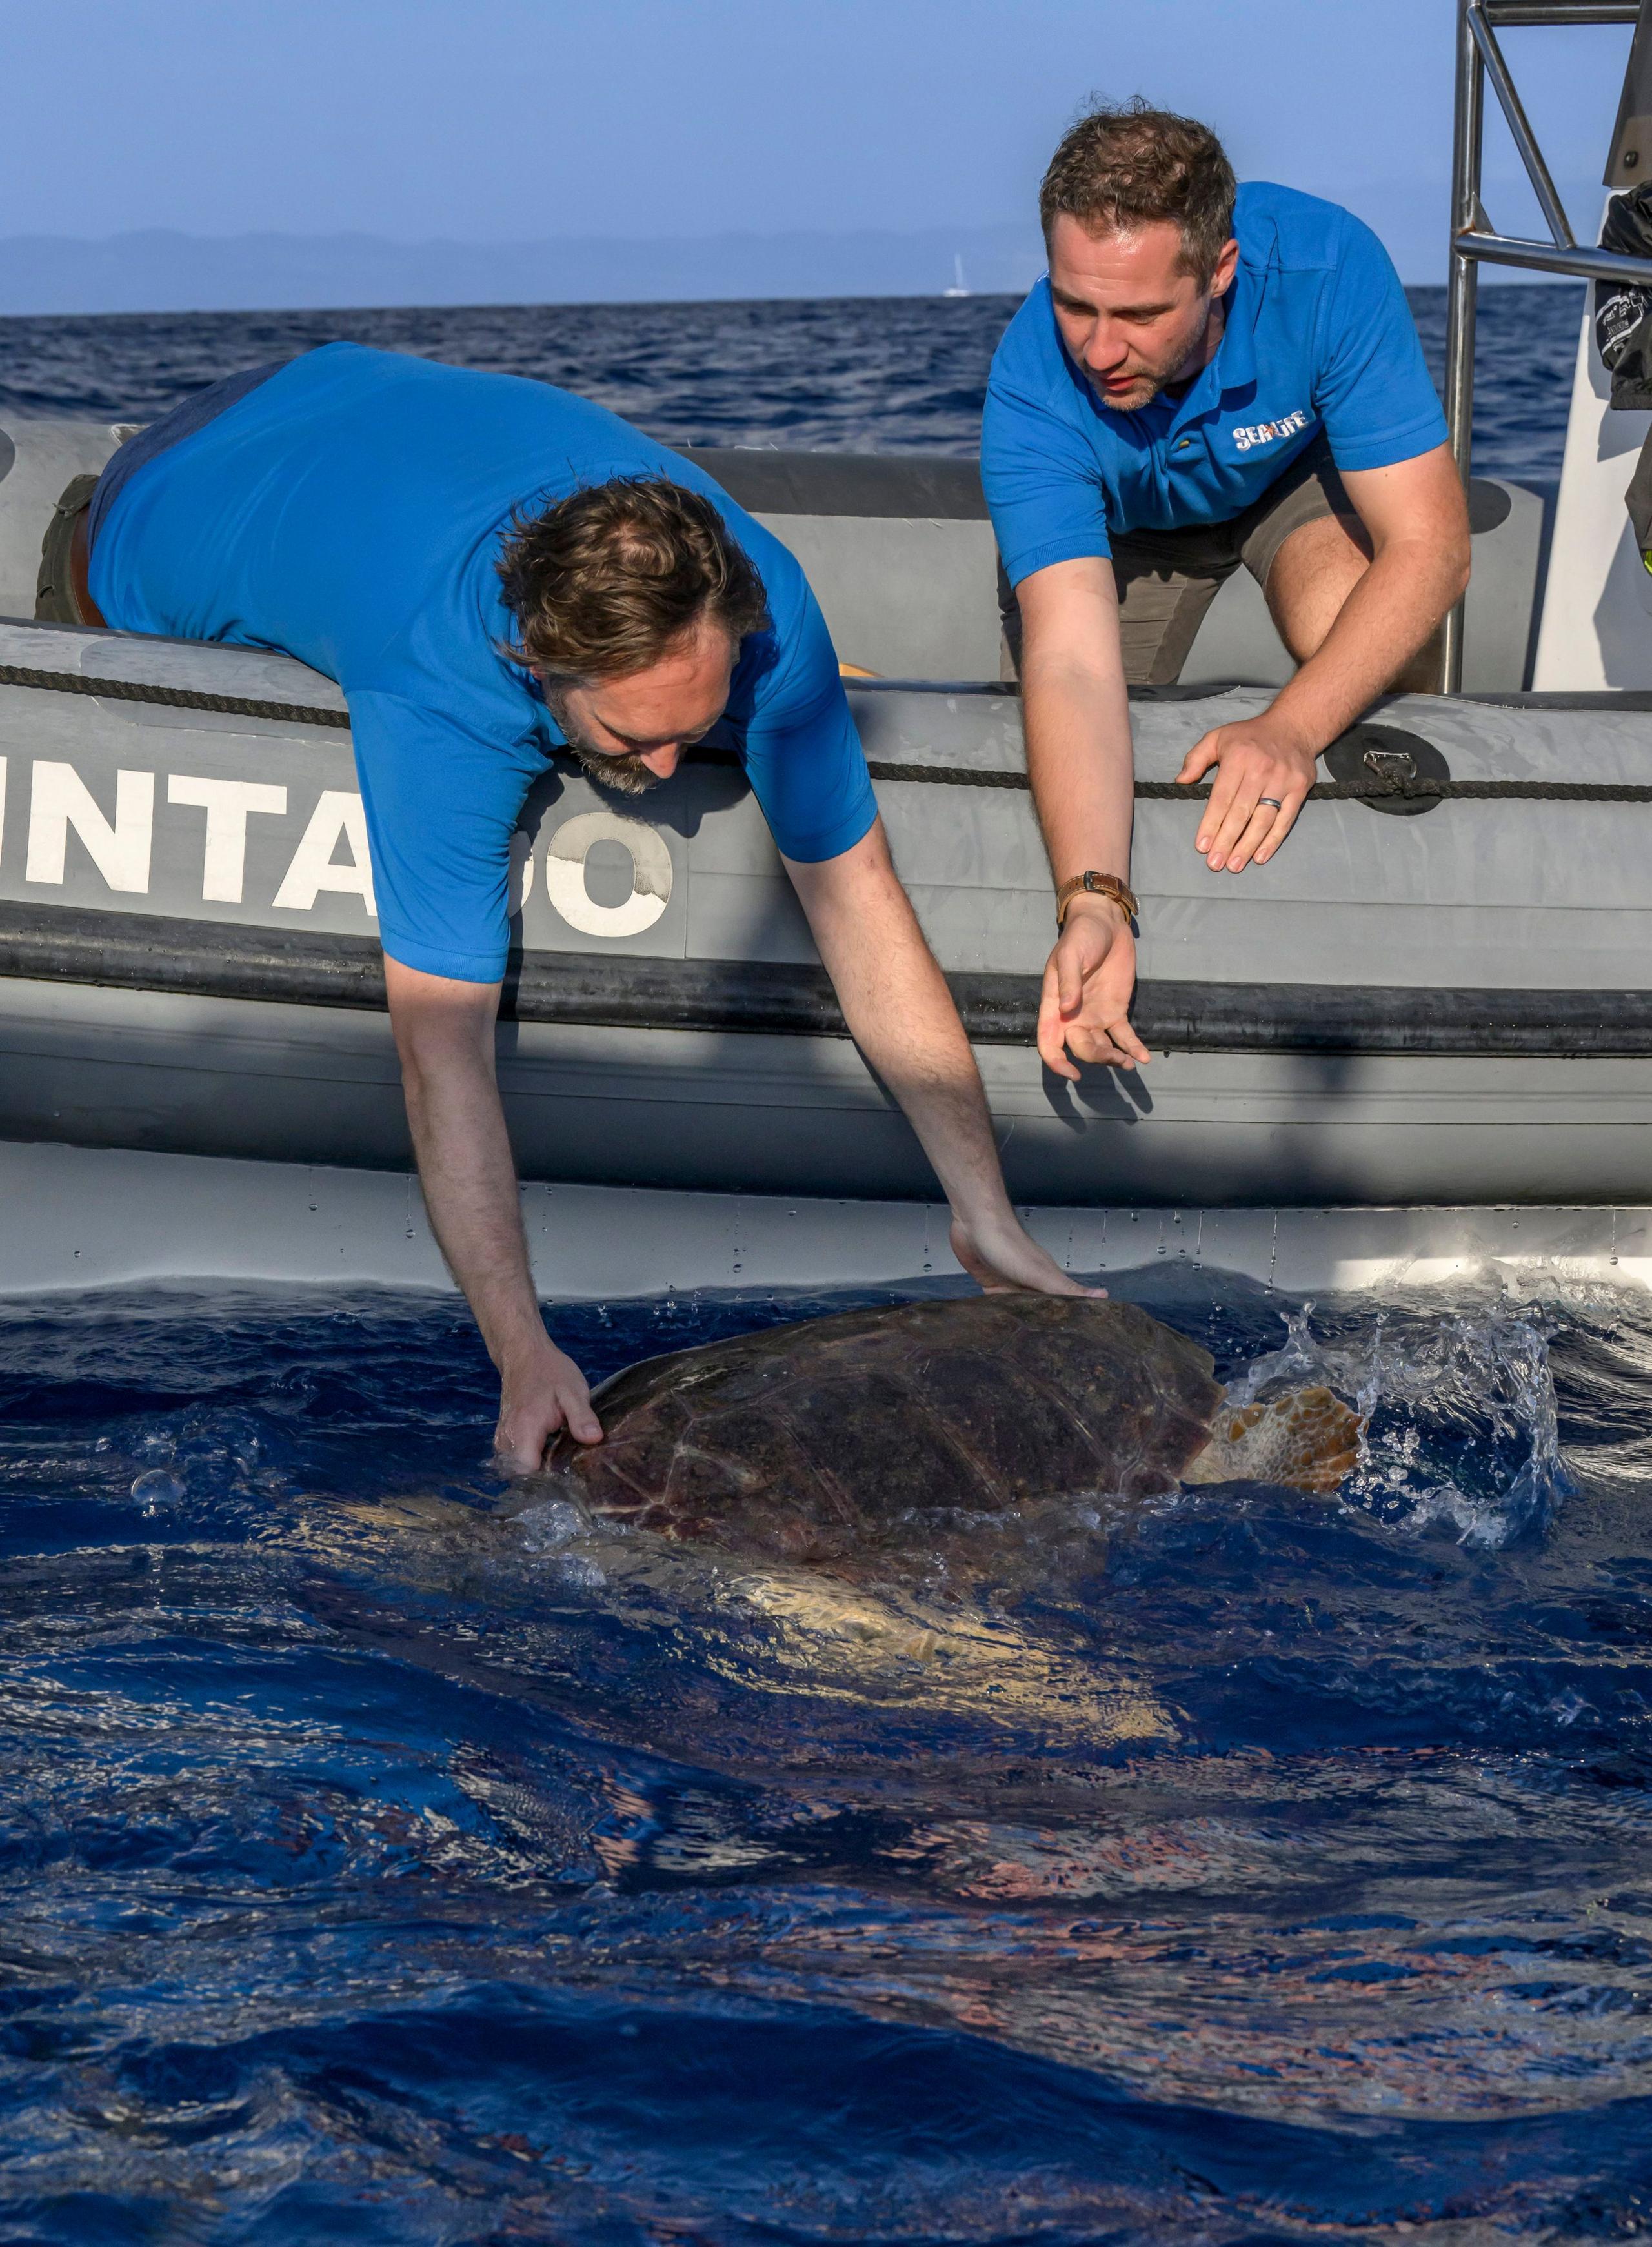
column 802, row 1442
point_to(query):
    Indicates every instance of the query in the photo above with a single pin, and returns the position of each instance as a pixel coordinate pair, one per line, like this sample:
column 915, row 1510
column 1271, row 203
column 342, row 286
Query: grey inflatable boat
column 1437, row 996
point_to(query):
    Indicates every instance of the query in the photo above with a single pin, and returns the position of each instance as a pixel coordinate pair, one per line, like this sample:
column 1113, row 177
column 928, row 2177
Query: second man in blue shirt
column 1210, row 377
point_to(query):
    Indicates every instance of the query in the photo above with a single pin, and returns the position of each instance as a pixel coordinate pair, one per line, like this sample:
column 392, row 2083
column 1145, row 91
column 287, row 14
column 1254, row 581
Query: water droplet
column 158, row 1488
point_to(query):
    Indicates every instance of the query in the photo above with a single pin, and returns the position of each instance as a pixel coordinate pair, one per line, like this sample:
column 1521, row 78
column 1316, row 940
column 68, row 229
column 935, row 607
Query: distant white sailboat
column 958, row 288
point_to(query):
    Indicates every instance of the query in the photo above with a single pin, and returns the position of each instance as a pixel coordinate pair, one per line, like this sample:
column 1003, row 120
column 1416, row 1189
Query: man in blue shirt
column 492, row 569
column 1209, row 376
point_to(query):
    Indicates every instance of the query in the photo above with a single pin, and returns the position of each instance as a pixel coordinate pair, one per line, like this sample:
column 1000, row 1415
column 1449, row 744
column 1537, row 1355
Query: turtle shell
column 801, row 1442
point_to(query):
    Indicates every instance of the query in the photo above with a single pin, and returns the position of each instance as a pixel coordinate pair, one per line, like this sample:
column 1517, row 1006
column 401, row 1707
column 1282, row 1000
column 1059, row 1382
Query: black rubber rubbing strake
column 1147, row 791
column 150, row 951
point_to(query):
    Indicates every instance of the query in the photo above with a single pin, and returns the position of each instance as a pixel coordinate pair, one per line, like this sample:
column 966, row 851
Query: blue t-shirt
column 350, row 511
column 1318, row 335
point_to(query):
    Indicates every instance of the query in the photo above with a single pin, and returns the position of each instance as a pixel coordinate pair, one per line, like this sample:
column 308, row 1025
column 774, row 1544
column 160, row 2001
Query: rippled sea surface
column 860, row 374
column 385, row 1863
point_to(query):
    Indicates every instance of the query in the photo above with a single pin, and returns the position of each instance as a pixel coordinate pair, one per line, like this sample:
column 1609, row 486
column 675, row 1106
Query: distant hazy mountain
column 154, row 272
column 164, row 272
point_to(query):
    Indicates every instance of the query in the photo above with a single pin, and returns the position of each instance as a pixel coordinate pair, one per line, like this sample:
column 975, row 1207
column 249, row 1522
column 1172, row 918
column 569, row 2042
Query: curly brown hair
column 1125, row 164
column 612, row 578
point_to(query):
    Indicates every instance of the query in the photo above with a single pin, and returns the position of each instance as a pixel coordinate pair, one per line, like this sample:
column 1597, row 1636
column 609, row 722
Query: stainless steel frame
column 1475, row 242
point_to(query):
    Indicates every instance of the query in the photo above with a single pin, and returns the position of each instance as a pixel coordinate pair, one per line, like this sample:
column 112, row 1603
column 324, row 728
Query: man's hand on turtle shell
column 539, row 1396
column 1002, row 1259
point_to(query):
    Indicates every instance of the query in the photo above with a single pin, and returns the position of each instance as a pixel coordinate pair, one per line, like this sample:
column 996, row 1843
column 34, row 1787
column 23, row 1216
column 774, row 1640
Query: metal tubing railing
column 1509, row 15
column 1525, row 141
column 1468, row 122
column 1474, row 242
column 1582, row 263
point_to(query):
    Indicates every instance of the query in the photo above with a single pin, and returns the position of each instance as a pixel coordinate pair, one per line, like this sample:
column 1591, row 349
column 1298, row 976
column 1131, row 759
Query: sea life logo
column 1268, row 432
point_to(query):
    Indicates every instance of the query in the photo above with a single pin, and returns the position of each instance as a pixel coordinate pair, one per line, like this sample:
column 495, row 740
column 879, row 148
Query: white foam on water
column 1437, row 1396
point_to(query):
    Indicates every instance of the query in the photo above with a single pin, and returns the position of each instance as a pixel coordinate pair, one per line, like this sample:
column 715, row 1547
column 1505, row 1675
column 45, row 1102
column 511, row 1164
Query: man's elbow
column 1458, row 566
column 1442, row 560
column 1456, row 548
column 439, row 1026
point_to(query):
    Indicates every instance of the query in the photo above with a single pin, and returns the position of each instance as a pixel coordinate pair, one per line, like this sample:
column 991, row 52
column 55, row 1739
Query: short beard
column 1155, row 380
column 1155, row 383
column 627, row 776
column 1152, row 381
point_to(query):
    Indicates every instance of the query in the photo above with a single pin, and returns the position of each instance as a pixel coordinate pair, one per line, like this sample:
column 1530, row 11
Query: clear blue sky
column 521, row 120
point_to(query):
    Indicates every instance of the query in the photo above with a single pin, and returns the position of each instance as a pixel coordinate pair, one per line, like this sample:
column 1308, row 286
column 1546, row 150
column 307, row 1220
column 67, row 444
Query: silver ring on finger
column 1272, row 802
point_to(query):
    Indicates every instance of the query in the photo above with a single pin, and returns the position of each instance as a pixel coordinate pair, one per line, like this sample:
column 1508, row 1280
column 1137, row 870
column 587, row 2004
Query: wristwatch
column 1104, row 885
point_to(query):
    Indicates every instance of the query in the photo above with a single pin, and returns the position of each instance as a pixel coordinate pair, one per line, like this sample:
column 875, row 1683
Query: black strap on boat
column 1427, row 789
column 225, row 960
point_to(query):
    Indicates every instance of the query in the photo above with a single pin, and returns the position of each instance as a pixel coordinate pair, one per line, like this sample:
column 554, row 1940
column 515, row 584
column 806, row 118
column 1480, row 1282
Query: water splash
column 1460, row 1431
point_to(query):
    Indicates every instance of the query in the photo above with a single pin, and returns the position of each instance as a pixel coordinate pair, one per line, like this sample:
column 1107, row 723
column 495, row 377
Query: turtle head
column 1308, row 1439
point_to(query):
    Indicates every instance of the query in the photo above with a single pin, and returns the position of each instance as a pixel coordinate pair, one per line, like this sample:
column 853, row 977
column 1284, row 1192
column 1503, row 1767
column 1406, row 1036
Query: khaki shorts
column 1167, row 579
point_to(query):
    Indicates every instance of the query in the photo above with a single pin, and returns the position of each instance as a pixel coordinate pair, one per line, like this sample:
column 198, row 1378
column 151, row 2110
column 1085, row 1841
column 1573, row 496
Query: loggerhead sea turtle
column 799, row 1444
column 821, row 1476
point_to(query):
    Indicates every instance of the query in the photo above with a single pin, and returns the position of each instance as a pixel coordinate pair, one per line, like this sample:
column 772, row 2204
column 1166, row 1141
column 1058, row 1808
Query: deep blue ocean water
column 875, row 373
column 379, row 1868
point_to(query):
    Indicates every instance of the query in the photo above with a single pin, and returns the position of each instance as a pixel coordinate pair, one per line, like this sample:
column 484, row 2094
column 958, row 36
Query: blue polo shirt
column 350, row 510
column 1318, row 336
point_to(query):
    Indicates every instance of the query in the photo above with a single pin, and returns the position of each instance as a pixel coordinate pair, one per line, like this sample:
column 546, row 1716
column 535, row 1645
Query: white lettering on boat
column 227, row 805
column 338, row 813
column 650, row 875
column 61, row 800
column 1269, row 432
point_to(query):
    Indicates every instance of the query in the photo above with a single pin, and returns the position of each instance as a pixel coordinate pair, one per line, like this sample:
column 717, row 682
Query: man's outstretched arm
column 1416, row 517
column 445, row 1037
column 901, row 1015
column 1080, row 762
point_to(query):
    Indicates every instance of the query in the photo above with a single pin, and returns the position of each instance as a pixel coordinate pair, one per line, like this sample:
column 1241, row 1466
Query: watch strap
column 1101, row 885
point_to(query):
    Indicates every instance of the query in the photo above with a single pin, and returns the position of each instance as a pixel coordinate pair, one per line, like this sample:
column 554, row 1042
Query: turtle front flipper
column 1307, row 1440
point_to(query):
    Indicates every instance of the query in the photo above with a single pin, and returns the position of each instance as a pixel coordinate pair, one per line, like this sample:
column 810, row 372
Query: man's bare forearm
column 1075, row 714
column 445, row 1035
column 1386, row 621
column 469, row 1180
column 470, row 1190
column 1082, row 767
column 901, row 1015
column 1079, row 766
